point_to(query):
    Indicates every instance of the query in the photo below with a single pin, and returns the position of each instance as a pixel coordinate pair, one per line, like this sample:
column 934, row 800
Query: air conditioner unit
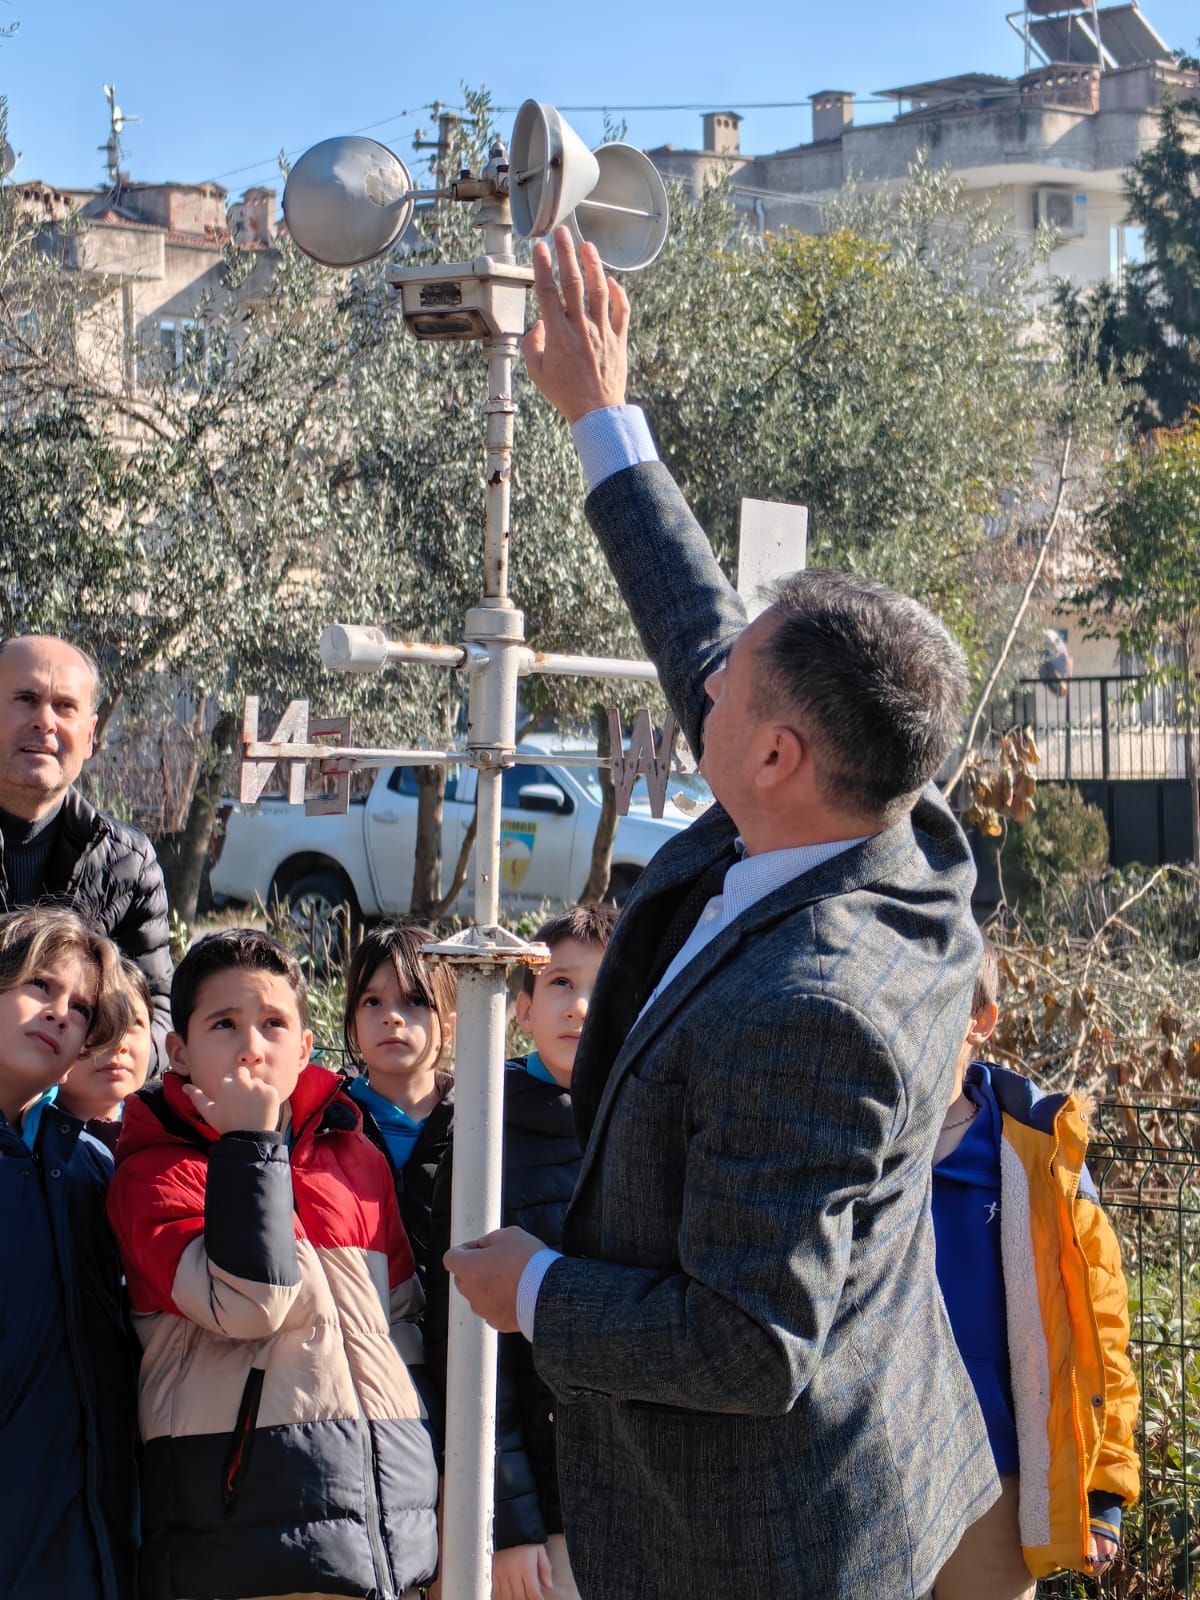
column 1062, row 210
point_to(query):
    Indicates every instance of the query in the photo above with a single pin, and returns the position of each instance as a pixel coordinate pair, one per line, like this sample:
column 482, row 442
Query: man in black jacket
column 53, row 844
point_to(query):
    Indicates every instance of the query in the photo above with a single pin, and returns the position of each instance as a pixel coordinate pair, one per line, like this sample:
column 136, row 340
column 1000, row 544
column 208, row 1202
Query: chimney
column 833, row 113
column 721, row 133
column 254, row 220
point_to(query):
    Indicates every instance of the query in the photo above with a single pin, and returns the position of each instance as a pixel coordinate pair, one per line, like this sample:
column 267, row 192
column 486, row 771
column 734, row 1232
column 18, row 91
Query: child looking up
column 1031, row 1275
column 399, row 1024
column 102, row 1080
column 285, row 1450
column 68, row 1510
column 541, row 1164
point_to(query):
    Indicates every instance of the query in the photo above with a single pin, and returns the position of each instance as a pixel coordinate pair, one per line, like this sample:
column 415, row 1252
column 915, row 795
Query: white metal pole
column 471, row 1365
column 495, row 657
column 497, row 626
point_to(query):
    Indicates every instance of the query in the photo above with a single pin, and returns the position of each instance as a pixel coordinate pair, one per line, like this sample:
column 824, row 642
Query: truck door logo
column 517, row 840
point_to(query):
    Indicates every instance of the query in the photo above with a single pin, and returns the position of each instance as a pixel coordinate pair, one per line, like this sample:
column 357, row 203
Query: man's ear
column 177, row 1053
column 781, row 755
column 524, row 1004
column 91, row 739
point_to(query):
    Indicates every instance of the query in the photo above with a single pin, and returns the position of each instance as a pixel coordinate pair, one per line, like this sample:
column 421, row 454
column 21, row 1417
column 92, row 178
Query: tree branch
column 985, row 694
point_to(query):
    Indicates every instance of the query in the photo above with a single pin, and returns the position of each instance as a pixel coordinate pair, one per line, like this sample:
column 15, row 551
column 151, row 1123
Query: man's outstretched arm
column 685, row 610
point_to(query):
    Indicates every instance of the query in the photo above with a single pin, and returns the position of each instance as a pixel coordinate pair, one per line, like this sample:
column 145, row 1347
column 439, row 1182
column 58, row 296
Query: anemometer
column 348, row 199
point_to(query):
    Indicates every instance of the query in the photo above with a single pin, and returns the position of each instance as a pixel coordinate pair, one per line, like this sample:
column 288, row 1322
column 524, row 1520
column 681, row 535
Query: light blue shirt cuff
column 529, row 1286
column 610, row 440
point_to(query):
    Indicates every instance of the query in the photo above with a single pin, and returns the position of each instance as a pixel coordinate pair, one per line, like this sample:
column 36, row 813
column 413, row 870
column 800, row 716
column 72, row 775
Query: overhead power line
column 254, row 166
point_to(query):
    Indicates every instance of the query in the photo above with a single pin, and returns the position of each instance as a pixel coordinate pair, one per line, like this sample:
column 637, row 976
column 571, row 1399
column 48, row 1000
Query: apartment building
column 1051, row 145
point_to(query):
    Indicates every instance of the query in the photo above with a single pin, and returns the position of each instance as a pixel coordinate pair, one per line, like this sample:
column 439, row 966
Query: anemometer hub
column 480, row 299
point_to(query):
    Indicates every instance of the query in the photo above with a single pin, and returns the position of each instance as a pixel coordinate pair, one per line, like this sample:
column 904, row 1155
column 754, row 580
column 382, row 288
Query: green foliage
column 1145, row 537
column 886, row 374
column 179, row 935
column 1102, row 984
column 311, row 462
column 1149, row 326
column 1144, row 544
column 1063, row 841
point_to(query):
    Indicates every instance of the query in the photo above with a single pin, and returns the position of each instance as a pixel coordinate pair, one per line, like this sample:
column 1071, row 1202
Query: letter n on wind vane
column 292, row 745
column 645, row 757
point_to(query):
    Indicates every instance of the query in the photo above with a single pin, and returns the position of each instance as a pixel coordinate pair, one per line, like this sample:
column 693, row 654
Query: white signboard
column 773, row 541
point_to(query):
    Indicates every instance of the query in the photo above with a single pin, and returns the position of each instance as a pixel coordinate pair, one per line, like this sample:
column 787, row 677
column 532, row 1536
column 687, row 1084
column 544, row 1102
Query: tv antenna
column 111, row 148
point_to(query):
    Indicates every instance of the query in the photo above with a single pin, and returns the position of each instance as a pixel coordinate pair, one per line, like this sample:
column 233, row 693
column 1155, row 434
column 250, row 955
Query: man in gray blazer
column 757, row 1388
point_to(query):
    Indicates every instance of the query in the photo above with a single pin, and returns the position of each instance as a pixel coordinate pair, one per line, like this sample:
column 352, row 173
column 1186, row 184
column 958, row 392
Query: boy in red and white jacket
column 273, row 1290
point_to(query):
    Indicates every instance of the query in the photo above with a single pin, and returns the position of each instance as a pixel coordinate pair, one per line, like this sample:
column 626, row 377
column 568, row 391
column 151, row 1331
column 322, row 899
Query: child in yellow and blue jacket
column 1031, row 1274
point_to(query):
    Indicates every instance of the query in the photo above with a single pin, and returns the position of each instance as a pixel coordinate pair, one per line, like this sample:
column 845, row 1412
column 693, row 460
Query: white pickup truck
column 364, row 859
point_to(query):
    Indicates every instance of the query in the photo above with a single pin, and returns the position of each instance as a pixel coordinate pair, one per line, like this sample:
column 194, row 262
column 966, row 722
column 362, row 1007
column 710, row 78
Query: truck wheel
column 323, row 915
column 621, row 881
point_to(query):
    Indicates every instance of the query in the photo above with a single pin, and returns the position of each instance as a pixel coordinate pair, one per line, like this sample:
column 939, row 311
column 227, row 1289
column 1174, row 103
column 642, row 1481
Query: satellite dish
column 625, row 216
column 550, row 170
column 8, row 158
column 346, row 200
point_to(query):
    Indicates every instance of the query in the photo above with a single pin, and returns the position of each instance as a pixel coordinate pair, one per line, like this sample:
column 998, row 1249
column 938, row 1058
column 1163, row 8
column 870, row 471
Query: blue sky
column 222, row 87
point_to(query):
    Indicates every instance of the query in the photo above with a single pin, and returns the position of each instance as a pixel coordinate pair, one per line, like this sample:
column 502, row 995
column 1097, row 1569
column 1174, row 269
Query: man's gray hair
column 874, row 681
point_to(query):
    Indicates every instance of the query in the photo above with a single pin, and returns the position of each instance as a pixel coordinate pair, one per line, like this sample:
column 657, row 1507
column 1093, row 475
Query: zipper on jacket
column 1078, row 1264
column 66, row 1268
column 379, row 1559
column 237, row 1458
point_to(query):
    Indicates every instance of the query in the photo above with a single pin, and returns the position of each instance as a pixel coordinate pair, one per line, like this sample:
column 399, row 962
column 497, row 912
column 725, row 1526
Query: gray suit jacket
column 757, row 1388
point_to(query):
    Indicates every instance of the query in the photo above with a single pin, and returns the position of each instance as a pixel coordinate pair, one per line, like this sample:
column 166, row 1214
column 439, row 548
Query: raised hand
column 576, row 352
column 243, row 1103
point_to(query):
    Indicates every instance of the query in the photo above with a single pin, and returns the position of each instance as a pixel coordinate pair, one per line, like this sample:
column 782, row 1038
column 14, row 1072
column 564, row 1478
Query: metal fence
column 1146, row 1163
column 1107, row 728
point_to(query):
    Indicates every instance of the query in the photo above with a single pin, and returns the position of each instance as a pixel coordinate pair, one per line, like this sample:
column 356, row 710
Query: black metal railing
column 1146, row 1163
column 1097, row 728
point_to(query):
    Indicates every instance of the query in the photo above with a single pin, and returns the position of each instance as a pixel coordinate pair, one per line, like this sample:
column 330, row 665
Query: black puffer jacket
column 414, row 1182
column 109, row 873
column 68, row 1373
column 541, row 1165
